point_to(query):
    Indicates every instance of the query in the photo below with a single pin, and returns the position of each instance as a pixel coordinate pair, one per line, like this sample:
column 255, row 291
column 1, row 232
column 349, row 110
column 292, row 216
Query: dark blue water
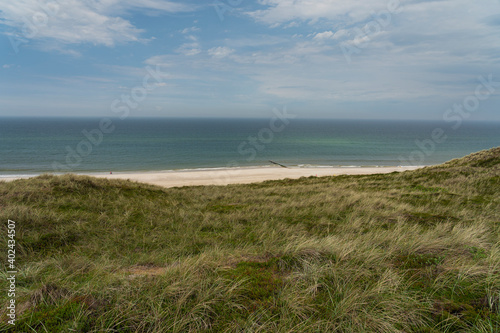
column 32, row 146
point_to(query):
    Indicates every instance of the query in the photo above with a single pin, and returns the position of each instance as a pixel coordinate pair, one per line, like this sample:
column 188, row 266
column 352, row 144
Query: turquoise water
column 33, row 146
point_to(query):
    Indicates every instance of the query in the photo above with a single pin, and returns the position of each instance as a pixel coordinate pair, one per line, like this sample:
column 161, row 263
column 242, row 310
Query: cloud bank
column 76, row 21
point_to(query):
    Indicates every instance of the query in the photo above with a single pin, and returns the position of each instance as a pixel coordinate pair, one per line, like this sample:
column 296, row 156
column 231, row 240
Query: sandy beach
column 237, row 175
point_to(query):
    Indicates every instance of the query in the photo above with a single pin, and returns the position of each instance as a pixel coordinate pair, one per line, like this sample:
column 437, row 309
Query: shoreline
column 240, row 175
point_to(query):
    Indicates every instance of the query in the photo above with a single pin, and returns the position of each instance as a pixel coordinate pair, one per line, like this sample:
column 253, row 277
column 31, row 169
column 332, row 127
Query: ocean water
column 34, row 146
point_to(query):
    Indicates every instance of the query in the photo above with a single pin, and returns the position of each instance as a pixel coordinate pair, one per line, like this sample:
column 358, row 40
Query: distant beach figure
column 111, row 172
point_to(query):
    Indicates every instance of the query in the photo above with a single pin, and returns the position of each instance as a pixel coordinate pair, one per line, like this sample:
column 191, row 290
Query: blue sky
column 386, row 59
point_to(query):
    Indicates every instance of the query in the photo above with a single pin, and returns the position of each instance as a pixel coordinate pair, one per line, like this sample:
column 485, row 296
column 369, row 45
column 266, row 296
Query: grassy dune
column 405, row 252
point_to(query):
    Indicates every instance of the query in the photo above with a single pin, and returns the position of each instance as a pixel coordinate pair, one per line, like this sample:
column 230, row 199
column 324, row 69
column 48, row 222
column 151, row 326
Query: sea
column 31, row 146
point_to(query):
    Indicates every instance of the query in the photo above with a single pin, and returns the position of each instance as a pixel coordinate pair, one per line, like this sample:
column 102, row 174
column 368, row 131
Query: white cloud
column 293, row 24
column 256, row 41
column 77, row 21
column 220, row 52
column 189, row 49
column 420, row 57
column 282, row 11
column 324, row 35
column 158, row 5
column 340, row 34
column 7, row 66
column 189, row 30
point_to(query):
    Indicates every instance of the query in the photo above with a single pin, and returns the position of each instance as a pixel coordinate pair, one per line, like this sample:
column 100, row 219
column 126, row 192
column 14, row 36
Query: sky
column 358, row 59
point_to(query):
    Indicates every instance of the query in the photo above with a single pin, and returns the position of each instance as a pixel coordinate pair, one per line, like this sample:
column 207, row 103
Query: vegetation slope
column 404, row 252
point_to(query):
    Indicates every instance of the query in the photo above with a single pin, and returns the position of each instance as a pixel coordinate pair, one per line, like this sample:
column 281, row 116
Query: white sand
column 242, row 175
column 238, row 175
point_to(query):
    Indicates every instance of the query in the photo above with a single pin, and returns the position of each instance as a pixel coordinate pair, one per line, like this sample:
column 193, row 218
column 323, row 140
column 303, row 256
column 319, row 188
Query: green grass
column 404, row 252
